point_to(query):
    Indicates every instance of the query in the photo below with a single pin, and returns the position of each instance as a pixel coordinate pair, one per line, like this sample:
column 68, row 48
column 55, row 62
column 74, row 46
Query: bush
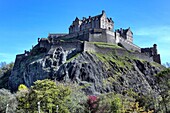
column 7, row 98
column 77, row 99
column 48, row 93
column 92, row 104
column 5, row 72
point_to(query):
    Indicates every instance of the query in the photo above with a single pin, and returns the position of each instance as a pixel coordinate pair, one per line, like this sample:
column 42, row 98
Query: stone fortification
column 100, row 35
column 152, row 52
column 117, row 51
column 95, row 22
column 99, row 28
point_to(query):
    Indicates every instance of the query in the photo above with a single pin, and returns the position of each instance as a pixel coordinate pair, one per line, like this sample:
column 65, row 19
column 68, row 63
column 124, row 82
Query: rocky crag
column 97, row 72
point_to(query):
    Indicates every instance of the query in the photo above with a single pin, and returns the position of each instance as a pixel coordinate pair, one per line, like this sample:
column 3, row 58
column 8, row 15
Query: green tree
column 22, row 97
column 111, row 103
column 7, row 98
column 164, row 84
column 49, row 94
column 5, row 72
column 22, row 87
column 116, row 106
column 77, row 98
column 3, row 64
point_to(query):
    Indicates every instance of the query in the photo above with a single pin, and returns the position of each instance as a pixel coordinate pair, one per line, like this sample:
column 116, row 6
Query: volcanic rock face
column 96, row 72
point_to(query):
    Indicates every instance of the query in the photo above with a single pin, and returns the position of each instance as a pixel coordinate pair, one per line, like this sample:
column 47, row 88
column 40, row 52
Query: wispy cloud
column 160, row 33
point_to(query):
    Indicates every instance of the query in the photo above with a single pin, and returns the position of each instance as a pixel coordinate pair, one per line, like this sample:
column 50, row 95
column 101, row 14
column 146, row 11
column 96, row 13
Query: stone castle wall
column 79, row 46
column 83, row 36
column 130, row 46
column 118, row 51
column 67, row 46
column 78, row 43
column 99, row 21
column 157, row 58
column 100, row 35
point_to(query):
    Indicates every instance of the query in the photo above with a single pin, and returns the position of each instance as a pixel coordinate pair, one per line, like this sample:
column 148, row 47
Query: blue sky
column 22, row 22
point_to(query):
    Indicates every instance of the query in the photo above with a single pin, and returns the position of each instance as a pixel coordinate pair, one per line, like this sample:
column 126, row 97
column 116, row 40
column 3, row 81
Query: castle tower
column 155, row 49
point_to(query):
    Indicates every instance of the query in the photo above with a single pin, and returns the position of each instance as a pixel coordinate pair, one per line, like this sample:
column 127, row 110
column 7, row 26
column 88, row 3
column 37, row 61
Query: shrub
column 7, row 98
column 48, row 93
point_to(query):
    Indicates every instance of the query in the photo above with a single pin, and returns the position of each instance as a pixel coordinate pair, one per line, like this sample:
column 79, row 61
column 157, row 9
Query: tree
column 5, row 72
column 7, row 98
column 111, row 103
column 77, row 99
column 22, row 87
column 92, row 103
column 164, row 84
column 49, row 94
column 116, row 105
column 3, row 64
column 167, row 64
column 23, row 99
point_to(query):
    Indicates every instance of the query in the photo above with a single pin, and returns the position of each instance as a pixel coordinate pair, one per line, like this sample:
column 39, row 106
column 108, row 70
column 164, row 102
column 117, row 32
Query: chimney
column 84, row 18
column 121, row 30
column 103, row 12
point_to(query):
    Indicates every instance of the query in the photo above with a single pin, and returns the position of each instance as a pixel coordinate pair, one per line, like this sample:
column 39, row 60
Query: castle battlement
column 98, row 28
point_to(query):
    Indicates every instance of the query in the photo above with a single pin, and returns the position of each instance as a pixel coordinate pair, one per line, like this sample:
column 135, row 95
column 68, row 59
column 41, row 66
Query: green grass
column 75, row 56
column 119, row 61
column 157, row 65
column 165, row 72
column 141, row 60
column 106, row 45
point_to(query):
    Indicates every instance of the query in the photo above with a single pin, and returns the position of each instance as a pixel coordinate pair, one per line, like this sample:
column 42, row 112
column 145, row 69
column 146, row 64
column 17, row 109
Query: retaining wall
column 130, row 46
column 117, row 51
column 67, row 45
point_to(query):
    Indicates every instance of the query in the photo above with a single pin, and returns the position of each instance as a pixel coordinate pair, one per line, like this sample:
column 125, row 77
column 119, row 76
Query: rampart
column 117, row 51
column 67, row 46
column 83, row 41
column 99, row 35
column 129, row 45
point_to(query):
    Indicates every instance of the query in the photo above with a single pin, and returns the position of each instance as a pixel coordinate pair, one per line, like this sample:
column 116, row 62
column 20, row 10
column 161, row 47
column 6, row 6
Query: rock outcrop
column 98, row 73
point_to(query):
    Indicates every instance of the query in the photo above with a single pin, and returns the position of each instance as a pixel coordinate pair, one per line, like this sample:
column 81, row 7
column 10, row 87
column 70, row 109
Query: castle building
column 99, row 22
column 127, row 34
column 99, row 28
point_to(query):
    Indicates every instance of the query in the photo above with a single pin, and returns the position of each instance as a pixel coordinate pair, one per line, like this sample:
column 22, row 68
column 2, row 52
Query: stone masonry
column 98, row 28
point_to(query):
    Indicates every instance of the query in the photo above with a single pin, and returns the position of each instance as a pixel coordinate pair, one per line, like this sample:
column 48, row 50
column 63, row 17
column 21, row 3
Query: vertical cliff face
column 98, row 73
